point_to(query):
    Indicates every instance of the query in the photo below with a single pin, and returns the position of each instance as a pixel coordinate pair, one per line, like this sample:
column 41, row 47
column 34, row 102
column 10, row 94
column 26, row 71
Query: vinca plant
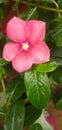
column 30, row 48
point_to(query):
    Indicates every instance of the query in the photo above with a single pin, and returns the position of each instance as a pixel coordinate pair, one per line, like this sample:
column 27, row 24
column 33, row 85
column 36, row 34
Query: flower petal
column 22, row 62
column 10, row 50
column 35, row 30
column 51, row 121
column 15, row 29
column 40, row 53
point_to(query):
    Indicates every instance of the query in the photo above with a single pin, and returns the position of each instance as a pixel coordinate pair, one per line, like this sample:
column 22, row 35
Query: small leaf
column 46, row 67
column 29, row 112
column 14, row 118
column 15, row 89
column 36, row 126
column 37, row 88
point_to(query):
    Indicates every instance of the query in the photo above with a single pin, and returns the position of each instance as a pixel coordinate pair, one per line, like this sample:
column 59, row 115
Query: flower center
column 25, row 46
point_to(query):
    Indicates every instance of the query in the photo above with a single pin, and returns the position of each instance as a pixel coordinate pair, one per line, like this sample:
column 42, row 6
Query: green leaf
column 14, row 118
column 30, row 13
column 15, row 89
column 37, row 88
column 36, row 126
column 57, row 99
column 54, row 23
column 29, row 112
column 3, row 62
column 46, row 67
column 55, row 32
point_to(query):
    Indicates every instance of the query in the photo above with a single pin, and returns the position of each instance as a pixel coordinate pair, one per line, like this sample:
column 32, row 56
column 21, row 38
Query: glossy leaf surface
column 37, row 88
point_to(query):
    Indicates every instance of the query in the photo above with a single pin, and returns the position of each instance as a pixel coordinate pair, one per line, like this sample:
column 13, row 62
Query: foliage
column 23, row 99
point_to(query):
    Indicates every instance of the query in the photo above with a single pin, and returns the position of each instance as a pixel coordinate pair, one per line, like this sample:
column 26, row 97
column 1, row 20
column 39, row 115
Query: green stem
column 42, row 7
column 57, row 7
column 2, row 82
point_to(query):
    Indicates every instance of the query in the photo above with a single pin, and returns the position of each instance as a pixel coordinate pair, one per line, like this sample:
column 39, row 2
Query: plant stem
column 42, row 7
column 57, row 7
column 2, row 82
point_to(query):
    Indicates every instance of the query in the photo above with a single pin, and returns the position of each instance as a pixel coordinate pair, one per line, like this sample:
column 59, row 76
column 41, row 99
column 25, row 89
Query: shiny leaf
column 47, row 67
column 37, row 88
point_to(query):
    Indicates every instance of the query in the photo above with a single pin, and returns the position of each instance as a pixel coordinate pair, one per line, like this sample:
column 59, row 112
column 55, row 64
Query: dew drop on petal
column 41, row 58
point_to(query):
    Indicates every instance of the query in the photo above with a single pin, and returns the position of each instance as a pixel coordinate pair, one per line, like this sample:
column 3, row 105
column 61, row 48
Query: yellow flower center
column 25, row 46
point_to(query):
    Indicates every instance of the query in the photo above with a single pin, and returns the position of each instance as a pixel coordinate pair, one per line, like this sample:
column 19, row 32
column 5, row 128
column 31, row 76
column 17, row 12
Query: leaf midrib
column 12, row 92
column 13, row 119
column 37, row 86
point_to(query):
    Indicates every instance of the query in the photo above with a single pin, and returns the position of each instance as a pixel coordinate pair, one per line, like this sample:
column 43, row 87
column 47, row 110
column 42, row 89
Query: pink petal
column 10, row 50
column 51, row 121
column 40, row 53
column 22, row 62
column 15, row 29
column 35, row 30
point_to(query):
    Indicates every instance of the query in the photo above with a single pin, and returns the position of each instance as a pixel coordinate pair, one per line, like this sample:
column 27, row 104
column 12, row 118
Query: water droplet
column 41, row 58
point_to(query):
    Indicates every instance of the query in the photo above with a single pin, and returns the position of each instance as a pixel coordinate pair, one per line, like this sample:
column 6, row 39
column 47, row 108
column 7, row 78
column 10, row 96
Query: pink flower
column 27, row 48
column 51, row 121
